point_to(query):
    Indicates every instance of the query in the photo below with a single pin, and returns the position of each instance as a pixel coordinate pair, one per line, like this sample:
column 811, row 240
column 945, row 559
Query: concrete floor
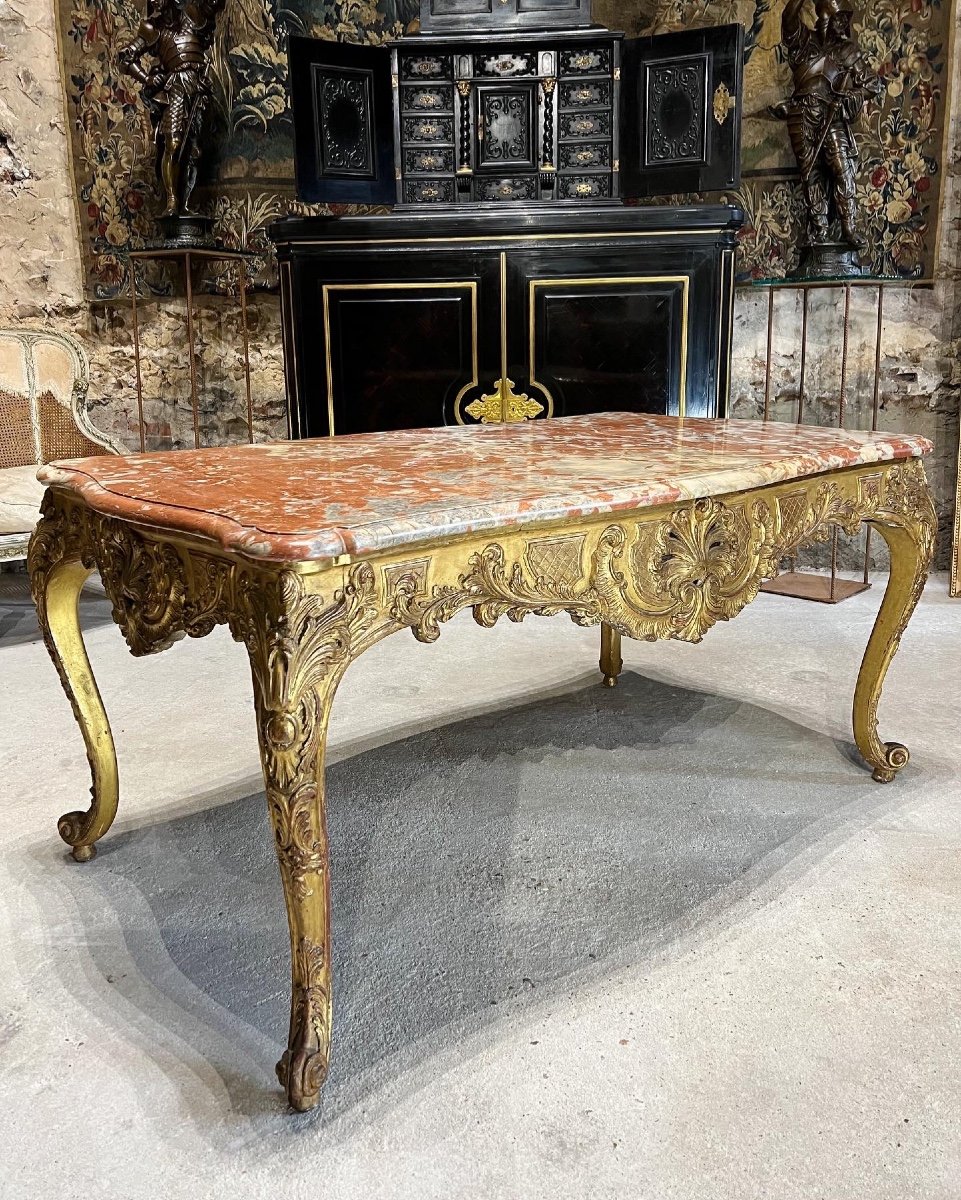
column 799, row 1036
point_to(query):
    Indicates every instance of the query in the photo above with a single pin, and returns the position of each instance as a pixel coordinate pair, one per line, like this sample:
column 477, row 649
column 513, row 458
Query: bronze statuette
column 832, row 84
column 178, row 36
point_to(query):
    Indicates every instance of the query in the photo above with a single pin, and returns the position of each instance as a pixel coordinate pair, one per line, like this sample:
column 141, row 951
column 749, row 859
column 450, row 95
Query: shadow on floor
column 18, row 617
column 478, row 870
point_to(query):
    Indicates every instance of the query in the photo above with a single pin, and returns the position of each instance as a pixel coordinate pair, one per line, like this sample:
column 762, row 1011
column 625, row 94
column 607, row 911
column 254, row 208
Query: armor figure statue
column 832, row 83
column 177, row 35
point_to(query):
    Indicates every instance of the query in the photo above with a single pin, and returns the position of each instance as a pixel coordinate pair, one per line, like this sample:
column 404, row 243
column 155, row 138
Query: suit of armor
column 832, row 82
column 179, row 35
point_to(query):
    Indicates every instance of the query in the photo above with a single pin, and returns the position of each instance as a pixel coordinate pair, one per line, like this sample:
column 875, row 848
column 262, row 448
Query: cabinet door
column 476, row 16
column 620, row 330
column 507, row 127
column 343, row 122
column 681, row 97
column 389, row 345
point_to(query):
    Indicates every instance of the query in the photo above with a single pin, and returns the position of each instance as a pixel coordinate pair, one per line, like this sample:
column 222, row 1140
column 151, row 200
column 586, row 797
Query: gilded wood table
column 311, row 552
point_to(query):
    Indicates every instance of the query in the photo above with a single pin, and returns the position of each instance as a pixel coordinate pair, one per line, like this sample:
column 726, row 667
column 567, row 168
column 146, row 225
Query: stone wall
column 920, row 388
column 40, row 284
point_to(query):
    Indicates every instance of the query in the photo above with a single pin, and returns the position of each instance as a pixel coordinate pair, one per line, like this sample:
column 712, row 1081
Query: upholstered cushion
column 20, row 496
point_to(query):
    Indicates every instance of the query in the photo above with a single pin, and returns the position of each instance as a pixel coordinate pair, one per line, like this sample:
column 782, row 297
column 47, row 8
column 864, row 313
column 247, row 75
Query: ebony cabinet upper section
column 560, row 115
column 450, row 317
column 499, row 16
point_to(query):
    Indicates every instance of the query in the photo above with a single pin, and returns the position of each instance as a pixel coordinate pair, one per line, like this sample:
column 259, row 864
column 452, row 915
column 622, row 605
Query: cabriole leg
column 299, row 649
column 911, row 544
column 611, row 663
column 57, row 597
column 293, row 735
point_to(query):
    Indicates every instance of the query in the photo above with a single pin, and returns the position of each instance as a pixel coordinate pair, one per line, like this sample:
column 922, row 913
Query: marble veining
column 315, row 500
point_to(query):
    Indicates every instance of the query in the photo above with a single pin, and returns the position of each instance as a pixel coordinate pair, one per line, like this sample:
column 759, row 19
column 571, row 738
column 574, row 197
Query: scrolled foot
column 302, row 1073
column 75, row 829
column 896, row 758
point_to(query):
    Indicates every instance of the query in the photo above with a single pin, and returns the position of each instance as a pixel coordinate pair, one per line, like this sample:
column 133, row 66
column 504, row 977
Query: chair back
column 44, row 377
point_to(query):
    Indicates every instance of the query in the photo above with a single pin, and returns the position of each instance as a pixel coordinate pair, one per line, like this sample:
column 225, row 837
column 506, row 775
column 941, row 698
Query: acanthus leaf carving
column 157, row 592
column 657, row 578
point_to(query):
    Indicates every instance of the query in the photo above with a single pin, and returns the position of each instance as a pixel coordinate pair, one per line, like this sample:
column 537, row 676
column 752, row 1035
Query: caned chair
column 43, row 416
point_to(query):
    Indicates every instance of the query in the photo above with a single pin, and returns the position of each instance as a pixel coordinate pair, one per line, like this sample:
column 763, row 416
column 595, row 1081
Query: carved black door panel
column 607, row 346
column 474, row 16
column 343, row 122
column 506, row 127
column 681, row 112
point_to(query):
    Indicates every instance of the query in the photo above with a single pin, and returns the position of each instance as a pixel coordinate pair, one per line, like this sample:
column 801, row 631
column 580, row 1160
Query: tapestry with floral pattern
column 248, row 179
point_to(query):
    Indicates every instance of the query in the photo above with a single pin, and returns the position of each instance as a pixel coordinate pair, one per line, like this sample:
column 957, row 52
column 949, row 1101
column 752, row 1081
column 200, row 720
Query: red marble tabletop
column 314, row 500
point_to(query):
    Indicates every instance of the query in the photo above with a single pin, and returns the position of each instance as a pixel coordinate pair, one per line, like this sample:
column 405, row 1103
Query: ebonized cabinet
column 511, row 282
column 403, row 321
column 560, row 116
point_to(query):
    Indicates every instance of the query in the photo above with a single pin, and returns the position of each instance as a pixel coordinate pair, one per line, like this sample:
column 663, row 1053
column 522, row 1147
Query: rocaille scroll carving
column 158, row 593
column 659, row 578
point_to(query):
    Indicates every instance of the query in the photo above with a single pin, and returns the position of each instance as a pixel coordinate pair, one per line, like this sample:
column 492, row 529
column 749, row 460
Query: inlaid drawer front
column 429, row 191
column 419, row 162
column 428, row 99
column 586, row 94
column 428, row 129
column 521, row 188
column 583, row 187
column 586, row 62
column 585, row 125
column 587, row 156
column 503, row 66
column 425, row 66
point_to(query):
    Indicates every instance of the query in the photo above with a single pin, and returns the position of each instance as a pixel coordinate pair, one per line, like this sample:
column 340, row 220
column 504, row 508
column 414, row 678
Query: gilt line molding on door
column 544, row 284
column 469, row 285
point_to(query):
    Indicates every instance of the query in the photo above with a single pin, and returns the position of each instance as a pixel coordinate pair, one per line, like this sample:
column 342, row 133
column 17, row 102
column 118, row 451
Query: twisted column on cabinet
column 464, row 90
column 548, row 86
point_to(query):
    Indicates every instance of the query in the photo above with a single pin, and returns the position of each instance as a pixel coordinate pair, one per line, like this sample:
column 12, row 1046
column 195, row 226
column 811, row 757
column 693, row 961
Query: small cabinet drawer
column 523, row 187
column 504, row 65
column 585, row 125
column 583, row 187
column 425, row 66
column 427, row 129
column 594, row 93
column 586, row 62
column 427, row 99
column 429, row 191
column 585, row 156
column 439, row 159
